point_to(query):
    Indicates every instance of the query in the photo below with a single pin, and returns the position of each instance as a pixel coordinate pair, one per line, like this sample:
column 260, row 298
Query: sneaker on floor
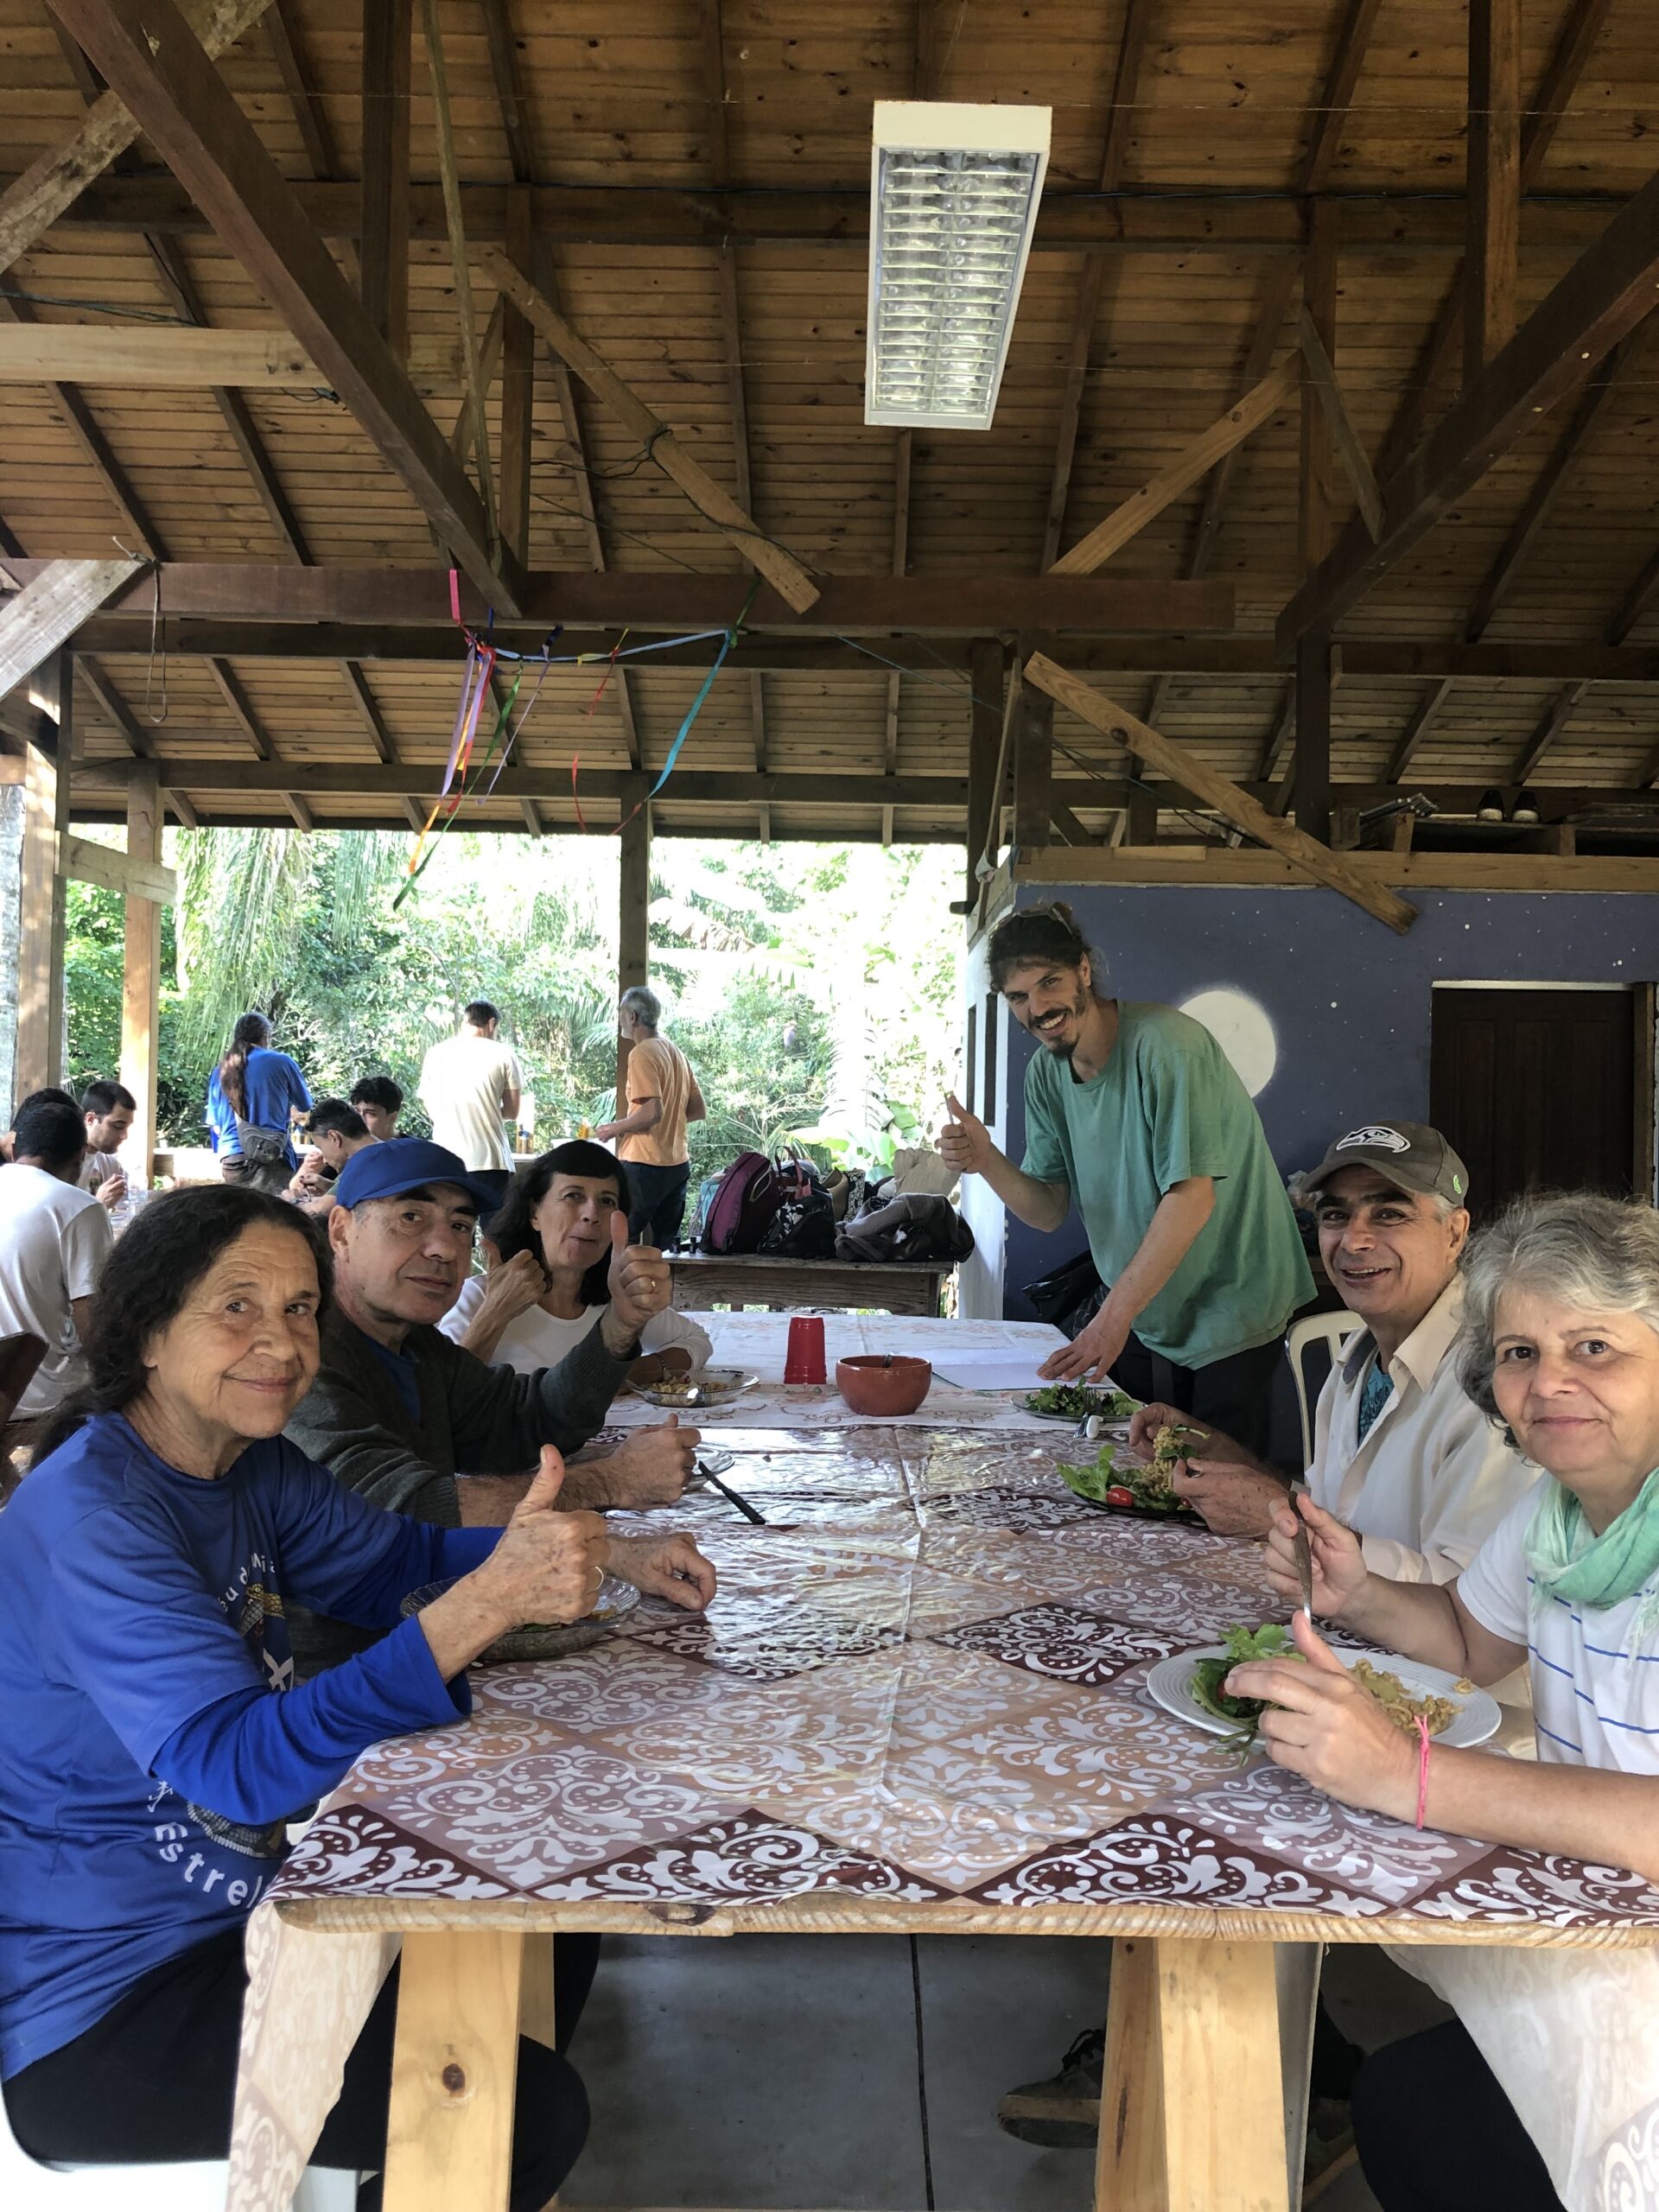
column 1063, row 2114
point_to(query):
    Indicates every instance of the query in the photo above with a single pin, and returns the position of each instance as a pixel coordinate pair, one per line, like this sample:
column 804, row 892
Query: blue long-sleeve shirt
column 153, row 1739
column 273, row 1083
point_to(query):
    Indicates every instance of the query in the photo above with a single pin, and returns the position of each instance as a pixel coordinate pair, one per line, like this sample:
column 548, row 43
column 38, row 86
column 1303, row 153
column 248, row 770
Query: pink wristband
column 1422, row 1769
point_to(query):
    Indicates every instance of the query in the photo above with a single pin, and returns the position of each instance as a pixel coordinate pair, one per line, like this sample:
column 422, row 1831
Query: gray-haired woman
column 1560, row 1345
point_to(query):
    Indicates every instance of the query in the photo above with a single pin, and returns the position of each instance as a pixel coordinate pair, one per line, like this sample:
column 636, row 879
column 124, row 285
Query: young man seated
column 108, row 1110
column 337, row 1131
column 380, row 1101
column 414, row 1423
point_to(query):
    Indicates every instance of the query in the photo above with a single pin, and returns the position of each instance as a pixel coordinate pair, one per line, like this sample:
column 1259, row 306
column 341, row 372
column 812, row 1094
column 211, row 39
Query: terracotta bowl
column 883, row 1387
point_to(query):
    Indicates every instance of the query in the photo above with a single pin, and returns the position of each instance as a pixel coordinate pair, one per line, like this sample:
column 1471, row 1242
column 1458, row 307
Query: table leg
column 536, row 2015
column 449, row 2135
column 1192, row 2114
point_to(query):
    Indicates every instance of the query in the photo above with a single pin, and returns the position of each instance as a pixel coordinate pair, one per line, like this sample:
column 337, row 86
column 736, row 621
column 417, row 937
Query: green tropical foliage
column 814, row 986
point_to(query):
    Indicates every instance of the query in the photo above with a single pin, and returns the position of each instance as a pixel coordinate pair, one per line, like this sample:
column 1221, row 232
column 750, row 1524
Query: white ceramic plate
column 1170, row 1684
column 714, row 1389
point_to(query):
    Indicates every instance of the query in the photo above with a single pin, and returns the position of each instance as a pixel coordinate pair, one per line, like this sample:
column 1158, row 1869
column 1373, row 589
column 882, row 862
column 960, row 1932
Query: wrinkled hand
column 664, row 1567
column 112, row 1189
column 1145, row 1424
column 639, row 1281
column 964, row 1140
column 1339, row 1571
column 653, row 1467
column 1089, row 1355
column 1235, row 1501
column 1329, row 1728
column 547, row 1565
column 511, row 1287
column 673, row 1359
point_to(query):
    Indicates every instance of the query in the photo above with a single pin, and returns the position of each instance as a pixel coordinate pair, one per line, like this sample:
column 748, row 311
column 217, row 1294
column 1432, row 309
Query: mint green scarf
column 1568, row 1560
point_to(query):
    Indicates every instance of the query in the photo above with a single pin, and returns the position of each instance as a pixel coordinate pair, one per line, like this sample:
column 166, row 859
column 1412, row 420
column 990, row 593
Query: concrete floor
column 862, row 2072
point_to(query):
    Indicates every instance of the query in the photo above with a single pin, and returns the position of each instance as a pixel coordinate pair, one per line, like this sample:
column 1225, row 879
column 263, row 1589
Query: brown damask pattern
column 924, row 1680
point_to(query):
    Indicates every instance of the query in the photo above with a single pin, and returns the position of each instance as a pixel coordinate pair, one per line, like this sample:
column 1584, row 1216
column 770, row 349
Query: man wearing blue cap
column 416, row 1424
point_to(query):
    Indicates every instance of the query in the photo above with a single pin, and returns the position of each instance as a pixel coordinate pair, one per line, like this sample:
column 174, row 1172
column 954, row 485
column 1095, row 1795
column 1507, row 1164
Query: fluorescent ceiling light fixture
column 953, row 201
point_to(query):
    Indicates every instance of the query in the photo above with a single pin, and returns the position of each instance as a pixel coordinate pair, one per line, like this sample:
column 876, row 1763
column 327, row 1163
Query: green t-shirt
column 1167, row 1105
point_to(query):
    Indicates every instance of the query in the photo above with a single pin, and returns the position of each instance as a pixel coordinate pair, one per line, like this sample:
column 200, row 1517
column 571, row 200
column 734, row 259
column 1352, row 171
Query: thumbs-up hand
column 964, row 1140
column 549, row 1565
column 639, row 1283
column 1322, row 1722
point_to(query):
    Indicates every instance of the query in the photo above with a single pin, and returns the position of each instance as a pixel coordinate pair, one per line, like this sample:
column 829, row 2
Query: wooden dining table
column 917, row 1705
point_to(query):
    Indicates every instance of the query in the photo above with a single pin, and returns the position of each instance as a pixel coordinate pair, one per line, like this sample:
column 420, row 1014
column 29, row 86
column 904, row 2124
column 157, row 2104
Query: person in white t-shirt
column 1559, row 1346
column 549, row 1287
column 55, row 1238
column 470, row 1084
column 110, row 1111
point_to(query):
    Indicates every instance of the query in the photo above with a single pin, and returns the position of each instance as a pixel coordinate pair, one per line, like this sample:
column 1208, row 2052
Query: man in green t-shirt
column 1133, row 1112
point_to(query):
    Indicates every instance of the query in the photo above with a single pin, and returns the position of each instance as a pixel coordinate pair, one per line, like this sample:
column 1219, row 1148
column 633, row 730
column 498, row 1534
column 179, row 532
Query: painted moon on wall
column 1242, row 1029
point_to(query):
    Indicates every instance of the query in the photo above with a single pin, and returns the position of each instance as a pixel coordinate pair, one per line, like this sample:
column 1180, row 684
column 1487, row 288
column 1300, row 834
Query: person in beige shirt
column 661, row 1097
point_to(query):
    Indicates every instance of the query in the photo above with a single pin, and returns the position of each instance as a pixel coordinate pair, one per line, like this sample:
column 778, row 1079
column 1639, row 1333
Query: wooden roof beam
column 49, row 609
column 1491, row 267
column 1602, row 298
column 1137, row 22
column 1328, row 390
column 300, row 83
column 509, row 92
column 459, row 269
column 51, row 184
column 384, row 206
column 780, row 567
column 1227, row 798
column 108, row 701
column 151, row 58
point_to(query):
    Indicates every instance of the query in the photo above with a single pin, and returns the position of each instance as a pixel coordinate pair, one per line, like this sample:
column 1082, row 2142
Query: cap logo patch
column 1376, row 1135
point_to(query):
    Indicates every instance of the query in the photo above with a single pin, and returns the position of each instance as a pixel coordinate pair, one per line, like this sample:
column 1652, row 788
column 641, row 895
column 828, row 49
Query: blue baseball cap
column 400, row 1164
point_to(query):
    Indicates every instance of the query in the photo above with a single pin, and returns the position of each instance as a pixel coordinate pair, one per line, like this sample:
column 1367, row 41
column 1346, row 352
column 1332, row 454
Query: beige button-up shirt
column 1433, row 1478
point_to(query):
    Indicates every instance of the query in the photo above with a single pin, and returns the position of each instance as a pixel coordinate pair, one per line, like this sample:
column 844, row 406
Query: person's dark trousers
column 1233, row 1395
column 658, row 1202
column 1436, row 2132
column 154, row 2082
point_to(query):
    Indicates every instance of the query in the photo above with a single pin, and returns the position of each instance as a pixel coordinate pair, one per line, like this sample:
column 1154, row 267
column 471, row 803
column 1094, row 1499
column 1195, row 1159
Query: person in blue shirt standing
column 254, row 1097
column 154, row 1742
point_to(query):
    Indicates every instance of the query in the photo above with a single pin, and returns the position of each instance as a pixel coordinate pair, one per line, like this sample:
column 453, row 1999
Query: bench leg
column 455, row 2063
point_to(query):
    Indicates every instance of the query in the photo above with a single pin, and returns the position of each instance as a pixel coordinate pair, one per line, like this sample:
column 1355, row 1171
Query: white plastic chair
column 1331, row 1330
column 25, row 2186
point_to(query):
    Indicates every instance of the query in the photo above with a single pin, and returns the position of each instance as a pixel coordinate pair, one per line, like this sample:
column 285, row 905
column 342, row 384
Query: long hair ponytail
column 252, row 1031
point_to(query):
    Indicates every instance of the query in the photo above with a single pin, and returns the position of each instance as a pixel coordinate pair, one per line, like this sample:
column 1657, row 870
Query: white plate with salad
column 1188, row 1685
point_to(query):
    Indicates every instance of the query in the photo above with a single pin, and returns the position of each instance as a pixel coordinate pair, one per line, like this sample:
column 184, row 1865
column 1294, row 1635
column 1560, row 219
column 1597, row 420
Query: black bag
column 1069, row 1298
column 803, row 1228
column 918, row 1226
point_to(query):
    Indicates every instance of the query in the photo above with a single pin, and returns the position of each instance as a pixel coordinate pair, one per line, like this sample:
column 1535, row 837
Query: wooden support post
column 1494, row 182
column 1141, row 816
column 986, row 680
column 141, row 974
column 633, row 918
column 518, row 385
column 387, row 28
column 1311, row 788
column 1318, row 491
column 39, row 1059
column 1031, row 749
column 453, row 2068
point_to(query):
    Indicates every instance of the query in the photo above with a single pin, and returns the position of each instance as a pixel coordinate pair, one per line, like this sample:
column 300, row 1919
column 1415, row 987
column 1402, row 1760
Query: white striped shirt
column 1595, row 1701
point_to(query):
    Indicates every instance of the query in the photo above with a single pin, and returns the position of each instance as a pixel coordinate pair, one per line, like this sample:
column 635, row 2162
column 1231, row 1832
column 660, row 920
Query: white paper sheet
column 992, row 1374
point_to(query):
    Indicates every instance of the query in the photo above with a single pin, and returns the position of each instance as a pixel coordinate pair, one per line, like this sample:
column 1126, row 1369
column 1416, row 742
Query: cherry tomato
column 1118, row 1495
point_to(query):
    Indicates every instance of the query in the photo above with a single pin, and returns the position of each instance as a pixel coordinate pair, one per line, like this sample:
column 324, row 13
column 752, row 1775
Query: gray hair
column 1579, row 1247
column 643, row 1004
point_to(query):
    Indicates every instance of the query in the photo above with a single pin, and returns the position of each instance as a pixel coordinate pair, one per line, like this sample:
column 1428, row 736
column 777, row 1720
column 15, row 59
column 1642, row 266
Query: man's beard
column 1065, row 1051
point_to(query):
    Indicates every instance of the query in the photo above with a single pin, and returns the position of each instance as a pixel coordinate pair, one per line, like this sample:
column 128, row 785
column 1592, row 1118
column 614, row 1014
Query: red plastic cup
column 804, row 1356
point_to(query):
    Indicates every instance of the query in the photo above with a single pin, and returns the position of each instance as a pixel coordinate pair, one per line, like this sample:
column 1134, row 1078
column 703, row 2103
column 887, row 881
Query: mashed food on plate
column 1398, row 1702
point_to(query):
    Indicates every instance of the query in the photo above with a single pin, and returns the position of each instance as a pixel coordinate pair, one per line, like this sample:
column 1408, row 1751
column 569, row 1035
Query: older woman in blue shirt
column 153, row 1740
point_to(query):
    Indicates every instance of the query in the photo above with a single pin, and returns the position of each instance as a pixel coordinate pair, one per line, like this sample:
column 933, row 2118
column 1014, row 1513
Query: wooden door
column 1537, row 1089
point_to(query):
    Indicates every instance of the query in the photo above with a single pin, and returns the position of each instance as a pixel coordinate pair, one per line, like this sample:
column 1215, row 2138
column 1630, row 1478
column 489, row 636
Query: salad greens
column 1075, row 1401
column 1128, row 1489
column 1271, row 1642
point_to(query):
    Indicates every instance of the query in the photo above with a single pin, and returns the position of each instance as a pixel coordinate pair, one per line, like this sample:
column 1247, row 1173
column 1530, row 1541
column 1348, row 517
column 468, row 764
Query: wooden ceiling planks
column 1221, row 101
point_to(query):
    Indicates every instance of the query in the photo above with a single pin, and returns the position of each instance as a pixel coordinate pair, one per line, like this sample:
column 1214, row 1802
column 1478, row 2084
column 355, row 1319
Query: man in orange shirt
column 663, row 1096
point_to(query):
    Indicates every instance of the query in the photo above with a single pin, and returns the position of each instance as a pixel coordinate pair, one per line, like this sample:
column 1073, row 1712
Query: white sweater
column 537, row 1339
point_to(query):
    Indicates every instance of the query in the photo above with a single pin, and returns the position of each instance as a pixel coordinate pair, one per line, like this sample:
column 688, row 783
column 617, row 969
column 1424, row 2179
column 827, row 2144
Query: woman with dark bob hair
column 564, row 1222
column 1545, row 2089
column 153, row 1742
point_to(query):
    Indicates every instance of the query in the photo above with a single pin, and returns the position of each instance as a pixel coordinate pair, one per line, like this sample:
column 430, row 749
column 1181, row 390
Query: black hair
column 51, row 1130
column 158, row 1260
column 1038, row 933
column 512, row 1230
column 333, row 1117
column 480, row 1012
column 50, row 1097
column 378, row 1090
column 102, row 1095
column 252, row 1032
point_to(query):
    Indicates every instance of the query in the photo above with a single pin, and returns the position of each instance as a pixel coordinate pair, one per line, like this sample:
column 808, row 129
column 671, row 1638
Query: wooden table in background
column 705, row 1279
column 918, row 1706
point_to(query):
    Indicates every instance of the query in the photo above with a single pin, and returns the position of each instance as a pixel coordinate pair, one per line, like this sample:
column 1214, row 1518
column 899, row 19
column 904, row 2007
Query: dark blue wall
column 1349, row 999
